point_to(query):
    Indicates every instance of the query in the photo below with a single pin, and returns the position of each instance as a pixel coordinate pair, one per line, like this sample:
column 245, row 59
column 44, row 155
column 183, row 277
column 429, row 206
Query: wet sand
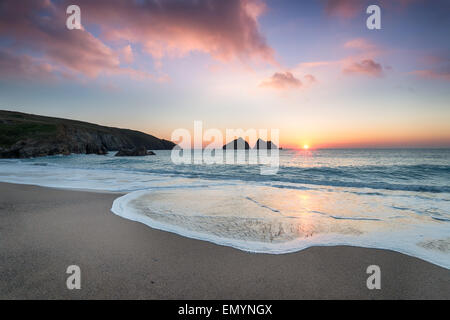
column 44, row 230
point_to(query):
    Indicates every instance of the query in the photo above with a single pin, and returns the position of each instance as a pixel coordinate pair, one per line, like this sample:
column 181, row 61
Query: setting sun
column 305, row 146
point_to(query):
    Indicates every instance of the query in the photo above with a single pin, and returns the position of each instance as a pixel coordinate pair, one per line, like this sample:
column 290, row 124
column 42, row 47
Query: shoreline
column 44, row 230
column 292, row 246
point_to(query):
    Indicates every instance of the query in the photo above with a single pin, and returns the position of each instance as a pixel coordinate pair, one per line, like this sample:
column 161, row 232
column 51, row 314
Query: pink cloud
column 127, row 54
column 365, row 67
column 286, row 80
column 281, row 80
column 310, row 79
column 360, row 44
column 436, row 59
column 363, row 49
column 23, row 66
column 361, row 61
column 316, row 64
column 344, row 8
column 398, row 5
column 437, row 66
column 431, row 74
column 351, row 8
column 226, row 30
column 39, row 26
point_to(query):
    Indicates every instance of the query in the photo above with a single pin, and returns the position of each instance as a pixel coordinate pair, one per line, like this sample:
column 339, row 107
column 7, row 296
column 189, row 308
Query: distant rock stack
column 136, row 152
column 261, row 144
column 238, row 144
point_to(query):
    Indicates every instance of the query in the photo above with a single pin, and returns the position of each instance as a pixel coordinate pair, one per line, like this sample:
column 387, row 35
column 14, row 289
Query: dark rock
column 25, row 135
column 238, row 144
column 136, row 152
column 261, row 144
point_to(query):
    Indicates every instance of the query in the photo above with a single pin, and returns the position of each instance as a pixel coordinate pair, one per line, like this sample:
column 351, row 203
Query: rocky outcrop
column 261, row 144
column 25, row 135
column 238, row 144
column 136, row 152
column 35, row 148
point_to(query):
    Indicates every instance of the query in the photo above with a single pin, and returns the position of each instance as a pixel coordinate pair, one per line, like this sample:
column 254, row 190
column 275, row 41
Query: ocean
column 397, row 199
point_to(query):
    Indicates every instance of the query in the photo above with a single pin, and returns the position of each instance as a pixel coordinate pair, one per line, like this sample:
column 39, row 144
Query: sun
column 305, row 146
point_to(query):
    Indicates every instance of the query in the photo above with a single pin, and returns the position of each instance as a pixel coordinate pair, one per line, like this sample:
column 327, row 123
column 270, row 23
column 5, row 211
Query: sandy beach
column 44, row 230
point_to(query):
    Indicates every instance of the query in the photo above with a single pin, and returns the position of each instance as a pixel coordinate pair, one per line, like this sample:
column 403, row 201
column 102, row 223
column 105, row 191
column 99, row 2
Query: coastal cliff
column 25, row 135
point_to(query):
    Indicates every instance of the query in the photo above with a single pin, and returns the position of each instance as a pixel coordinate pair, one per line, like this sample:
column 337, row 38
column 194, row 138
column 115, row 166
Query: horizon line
column 311, row 148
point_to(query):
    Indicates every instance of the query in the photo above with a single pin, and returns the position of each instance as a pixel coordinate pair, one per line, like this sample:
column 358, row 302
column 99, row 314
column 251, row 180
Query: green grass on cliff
column 10, row 133
column 16, row 126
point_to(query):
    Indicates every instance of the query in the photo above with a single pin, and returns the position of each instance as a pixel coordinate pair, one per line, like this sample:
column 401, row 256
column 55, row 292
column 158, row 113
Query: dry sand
column 44, row 230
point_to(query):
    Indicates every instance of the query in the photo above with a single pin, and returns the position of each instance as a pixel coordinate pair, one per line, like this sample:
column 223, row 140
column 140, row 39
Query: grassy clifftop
column 26, row 135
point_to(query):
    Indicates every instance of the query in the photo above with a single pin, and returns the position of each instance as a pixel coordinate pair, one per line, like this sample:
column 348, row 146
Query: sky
column 311, row 69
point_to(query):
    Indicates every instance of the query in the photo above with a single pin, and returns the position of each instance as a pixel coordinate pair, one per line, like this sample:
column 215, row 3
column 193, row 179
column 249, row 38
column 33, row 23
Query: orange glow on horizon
column 367, row 139
column 310, row 140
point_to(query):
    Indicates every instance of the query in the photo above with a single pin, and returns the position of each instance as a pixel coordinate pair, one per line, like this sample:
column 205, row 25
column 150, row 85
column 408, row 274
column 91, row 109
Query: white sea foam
column 56, row 176
column 354, row 198
column 269, row 220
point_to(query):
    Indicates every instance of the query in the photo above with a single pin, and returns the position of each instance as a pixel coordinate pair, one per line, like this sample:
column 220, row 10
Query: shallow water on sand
column 273, row 220
column 391, row 199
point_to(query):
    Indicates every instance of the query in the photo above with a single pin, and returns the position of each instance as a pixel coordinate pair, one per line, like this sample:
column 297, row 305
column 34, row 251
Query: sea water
column 396, row 199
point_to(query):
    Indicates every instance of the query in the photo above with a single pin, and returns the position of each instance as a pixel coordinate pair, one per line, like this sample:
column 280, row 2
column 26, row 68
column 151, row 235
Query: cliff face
column 25, row 135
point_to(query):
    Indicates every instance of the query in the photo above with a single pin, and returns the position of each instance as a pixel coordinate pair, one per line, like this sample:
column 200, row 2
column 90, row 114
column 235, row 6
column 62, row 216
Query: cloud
column 347, row 9
column 286, row 80
column 360, row 61
column 316, row 64
column 436, row 66
column 360, row 44
column 431, row 74
column 226, row 30
column 310, row 79
column 365, row 67
column 127, row 54
column 23, row 66
column 39, row 26
column 363, row 61
column 281, row 80
column 344, row 8
column 440, row 58
column 363, row 49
